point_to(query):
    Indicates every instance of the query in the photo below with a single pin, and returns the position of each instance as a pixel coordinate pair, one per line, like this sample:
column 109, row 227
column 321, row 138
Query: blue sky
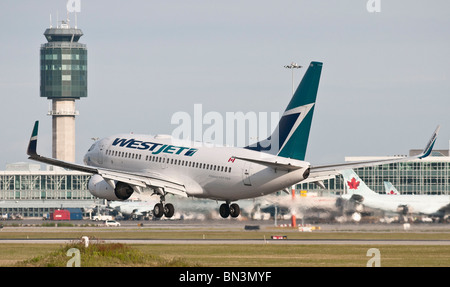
column 385, row 82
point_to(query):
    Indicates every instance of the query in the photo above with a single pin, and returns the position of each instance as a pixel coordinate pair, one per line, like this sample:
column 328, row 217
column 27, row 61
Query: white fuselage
column 206, row 171
column 421, row 204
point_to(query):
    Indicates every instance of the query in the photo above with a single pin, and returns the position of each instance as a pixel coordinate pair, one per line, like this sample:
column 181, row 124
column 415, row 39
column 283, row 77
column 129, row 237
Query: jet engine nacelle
column 404, row 209
column 357, row 198
column 355, row 203
column 102, row 189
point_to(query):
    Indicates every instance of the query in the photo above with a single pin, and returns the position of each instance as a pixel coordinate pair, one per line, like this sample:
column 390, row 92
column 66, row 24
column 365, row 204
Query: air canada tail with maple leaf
column 290, row 138
column 354, row 184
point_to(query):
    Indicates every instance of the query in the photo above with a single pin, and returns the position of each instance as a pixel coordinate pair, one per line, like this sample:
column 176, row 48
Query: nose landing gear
column 226, row 210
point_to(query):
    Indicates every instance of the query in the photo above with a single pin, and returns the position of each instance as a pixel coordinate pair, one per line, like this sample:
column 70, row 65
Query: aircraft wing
column 319, row 172
column 136, row 180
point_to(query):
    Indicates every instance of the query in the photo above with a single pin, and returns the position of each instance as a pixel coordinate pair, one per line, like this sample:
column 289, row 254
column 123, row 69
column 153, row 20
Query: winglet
column 32, row 145
column 32, row 153
column 429, row 147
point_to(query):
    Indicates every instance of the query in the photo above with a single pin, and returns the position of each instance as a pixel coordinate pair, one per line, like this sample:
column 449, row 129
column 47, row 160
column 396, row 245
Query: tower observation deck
column 63, row 63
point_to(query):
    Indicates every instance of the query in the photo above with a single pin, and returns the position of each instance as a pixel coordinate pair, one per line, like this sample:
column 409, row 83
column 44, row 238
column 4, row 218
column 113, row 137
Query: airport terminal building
column 27, row 190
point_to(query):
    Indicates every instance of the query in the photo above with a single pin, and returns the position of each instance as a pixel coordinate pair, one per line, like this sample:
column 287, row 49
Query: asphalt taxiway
column 241, row 241
column 232, row 224
column 33, row 226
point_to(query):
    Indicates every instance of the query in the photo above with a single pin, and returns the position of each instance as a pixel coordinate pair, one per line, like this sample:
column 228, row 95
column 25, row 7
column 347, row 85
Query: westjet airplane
column 126, row 163
column 432, row 205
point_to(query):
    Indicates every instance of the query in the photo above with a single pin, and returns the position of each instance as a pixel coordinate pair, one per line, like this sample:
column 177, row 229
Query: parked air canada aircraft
column 126, row 163
column 432, row 205
column 390, row 189
column 132, row 209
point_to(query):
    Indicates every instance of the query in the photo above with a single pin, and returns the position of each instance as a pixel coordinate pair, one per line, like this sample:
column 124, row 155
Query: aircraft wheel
column 356, row 217
column 158, row 210
column 169, row 210
column 224, row 210
column 235, row 210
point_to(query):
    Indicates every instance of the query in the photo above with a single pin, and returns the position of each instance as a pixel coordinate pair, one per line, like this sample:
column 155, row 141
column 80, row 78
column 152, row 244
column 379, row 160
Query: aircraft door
column 101, row 150
column 246, row 174
column 164, row 162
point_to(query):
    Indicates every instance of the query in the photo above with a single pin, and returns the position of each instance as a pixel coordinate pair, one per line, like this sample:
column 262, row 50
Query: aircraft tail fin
column 354, row 184
column 429, row 147
column 290, row 138
column 390, row 188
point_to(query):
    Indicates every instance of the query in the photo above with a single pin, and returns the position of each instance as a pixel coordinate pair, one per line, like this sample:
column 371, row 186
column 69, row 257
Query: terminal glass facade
column 37, row 193
column 48, row 186
column 429, row 178
column 416, row 177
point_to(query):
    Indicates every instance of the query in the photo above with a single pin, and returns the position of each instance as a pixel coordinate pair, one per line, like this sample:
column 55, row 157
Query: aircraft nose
column 86, row 159
column 90, row 154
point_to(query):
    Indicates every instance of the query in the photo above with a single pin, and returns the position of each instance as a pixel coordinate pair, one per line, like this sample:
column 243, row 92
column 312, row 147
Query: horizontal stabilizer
column 274, row 164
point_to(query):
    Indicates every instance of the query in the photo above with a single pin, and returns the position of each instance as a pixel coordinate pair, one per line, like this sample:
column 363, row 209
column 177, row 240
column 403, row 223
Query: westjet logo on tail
column 155, row 148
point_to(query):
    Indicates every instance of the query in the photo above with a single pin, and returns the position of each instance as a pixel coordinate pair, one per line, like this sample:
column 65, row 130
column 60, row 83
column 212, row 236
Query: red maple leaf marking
column 392, row 192
column 353, row 184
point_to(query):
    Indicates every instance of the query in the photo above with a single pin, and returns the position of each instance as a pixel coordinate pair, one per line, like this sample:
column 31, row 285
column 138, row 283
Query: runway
column 233, row 224
column 217, row 232
column 241, row 241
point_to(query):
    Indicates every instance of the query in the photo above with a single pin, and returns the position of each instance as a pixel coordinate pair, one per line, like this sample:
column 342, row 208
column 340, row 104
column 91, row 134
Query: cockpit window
column 92, row 147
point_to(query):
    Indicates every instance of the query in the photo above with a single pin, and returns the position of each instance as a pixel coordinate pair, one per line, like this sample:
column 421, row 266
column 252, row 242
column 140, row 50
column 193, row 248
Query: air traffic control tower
column 63, row 80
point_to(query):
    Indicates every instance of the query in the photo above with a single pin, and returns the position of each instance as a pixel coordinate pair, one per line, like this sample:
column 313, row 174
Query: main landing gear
column 226, row 210
column 161, row 209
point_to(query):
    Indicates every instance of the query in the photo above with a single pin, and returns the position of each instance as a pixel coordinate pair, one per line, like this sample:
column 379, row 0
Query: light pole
column 293, row 66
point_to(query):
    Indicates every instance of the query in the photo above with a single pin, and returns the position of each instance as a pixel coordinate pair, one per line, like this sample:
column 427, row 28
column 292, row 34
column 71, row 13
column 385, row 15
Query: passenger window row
column 123, row 154
column 180, row 162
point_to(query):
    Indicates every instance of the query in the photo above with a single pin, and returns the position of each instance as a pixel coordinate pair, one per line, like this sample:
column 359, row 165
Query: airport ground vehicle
column 112, row 223
column 102, row 217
